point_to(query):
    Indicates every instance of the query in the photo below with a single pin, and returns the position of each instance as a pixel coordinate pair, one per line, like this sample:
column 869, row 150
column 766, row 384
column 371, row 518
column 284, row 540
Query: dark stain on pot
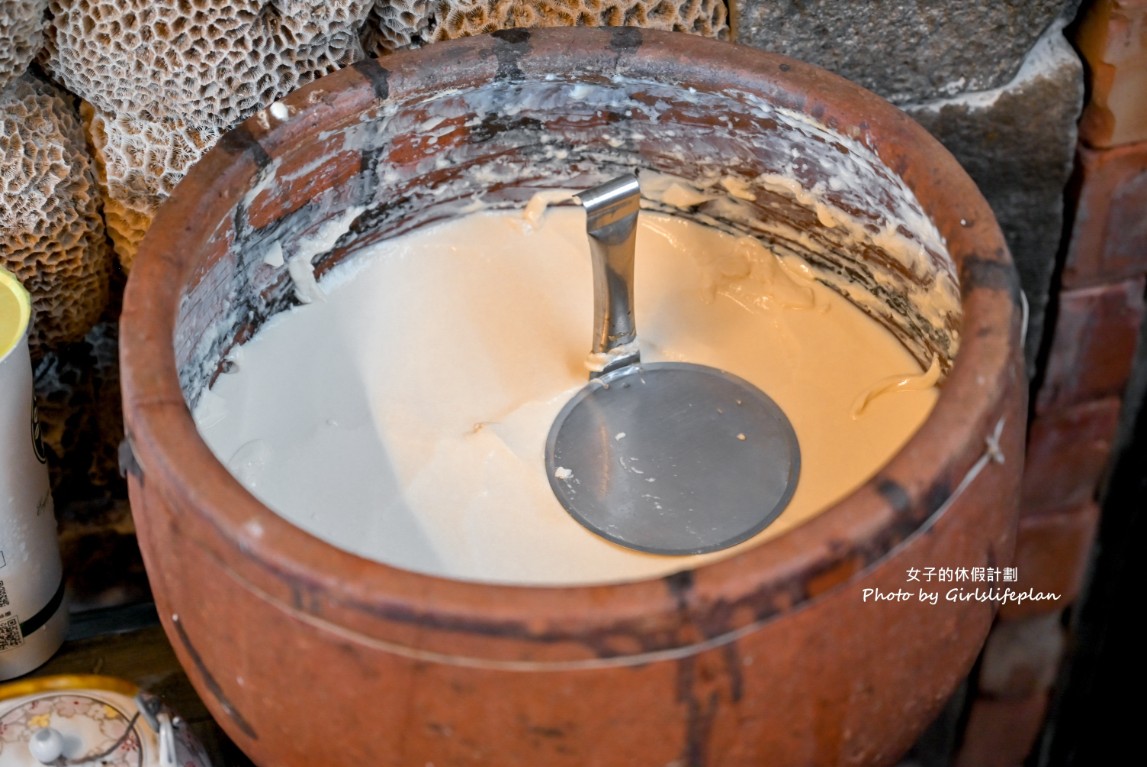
column 240, row 140
column 255, row 309
column 990, row 273
column 382, row 217
column 621, row 640
column 679, row 585
column 371, row 158
column 734, row 666
column 700, row 711
column 493, row 125
column 610, row 117
column 510, row 46
column 893, row 492
column 241, row 222
column 625, row 39
column 937, row 495
column 838, row 546
column 764, row 603
column 211, row 683
column 304, row 599
column 344, row 244
column 549, row 733
column 276, row 297
column 833, row 575
column 376, row 75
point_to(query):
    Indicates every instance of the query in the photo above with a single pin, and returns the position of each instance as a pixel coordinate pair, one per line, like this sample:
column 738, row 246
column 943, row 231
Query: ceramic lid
column 90, row 720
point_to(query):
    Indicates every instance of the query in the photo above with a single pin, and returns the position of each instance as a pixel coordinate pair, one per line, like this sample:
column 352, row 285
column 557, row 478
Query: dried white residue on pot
column 300, row 265
column 821, row 205
column 852, row 203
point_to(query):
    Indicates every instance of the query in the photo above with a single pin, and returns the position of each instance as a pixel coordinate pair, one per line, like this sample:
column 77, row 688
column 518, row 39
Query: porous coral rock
column 51, row 233
column 396, row 24
column 459, row 18
column 139, row 162
column 21, row 27
column 204, row 63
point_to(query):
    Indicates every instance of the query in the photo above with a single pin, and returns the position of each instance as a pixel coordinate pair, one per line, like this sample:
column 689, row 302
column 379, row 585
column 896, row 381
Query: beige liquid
column 403, row 417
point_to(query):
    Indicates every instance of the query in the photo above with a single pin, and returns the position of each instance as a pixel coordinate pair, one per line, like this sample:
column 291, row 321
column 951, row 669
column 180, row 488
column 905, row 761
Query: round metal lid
column 673, row 458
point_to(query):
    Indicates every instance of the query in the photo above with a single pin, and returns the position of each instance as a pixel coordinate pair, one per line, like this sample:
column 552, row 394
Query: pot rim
column 335, row 587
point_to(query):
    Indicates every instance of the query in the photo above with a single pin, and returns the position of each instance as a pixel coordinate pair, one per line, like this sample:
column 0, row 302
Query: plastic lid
column 15, row 309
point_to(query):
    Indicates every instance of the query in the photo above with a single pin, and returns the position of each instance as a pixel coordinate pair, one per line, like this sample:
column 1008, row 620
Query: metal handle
column 611, row 223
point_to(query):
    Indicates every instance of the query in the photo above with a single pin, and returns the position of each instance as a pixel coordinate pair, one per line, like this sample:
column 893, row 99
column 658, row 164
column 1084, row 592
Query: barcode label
column 3, row 596
column 10, row 635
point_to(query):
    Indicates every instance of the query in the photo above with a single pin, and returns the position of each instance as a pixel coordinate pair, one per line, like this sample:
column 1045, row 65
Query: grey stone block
column 905, row 50
column 1018, row 142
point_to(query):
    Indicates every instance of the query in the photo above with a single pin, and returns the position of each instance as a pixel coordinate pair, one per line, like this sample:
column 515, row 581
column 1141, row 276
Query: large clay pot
column 779, row 655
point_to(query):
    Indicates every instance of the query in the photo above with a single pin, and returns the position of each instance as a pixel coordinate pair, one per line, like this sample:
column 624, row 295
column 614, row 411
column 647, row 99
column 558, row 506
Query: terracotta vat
column 308, row 655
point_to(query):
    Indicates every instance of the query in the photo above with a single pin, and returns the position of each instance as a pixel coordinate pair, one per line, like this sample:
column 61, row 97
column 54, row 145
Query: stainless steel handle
column 611, row 223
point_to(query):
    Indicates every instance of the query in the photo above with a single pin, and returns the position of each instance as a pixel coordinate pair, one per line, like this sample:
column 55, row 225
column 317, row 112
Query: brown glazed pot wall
column 308, row 655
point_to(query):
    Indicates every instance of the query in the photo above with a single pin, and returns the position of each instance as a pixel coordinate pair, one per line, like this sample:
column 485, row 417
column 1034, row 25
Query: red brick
column 1112, row 38
column 1001, row 733
column 1067, row 455
column 1053, row 552
column 1022, row 657
column 1109, row 235
column 1093, row 346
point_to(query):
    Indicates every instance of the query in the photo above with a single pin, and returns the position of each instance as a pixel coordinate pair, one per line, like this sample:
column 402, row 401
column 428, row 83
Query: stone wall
column 977, row 75
column 106, row 104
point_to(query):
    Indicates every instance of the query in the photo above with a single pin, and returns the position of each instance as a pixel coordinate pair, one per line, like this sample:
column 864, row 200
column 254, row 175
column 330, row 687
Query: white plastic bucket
column 33, row 614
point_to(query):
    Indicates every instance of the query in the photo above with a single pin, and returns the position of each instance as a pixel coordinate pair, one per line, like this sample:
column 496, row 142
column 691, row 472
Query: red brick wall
column 1078, row 402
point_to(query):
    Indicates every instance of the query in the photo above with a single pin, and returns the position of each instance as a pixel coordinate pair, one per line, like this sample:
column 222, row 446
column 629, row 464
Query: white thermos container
column 33, row 615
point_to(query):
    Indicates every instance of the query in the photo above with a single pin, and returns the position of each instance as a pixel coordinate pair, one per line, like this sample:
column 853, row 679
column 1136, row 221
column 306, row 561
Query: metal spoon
column 667, row 457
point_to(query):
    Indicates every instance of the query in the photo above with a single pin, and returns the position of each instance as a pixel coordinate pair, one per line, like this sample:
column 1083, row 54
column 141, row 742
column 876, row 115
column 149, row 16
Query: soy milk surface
column 402, row 414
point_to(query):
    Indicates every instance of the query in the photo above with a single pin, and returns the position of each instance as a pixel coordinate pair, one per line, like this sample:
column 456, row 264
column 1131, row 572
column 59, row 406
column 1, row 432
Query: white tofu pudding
column 401, row 412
